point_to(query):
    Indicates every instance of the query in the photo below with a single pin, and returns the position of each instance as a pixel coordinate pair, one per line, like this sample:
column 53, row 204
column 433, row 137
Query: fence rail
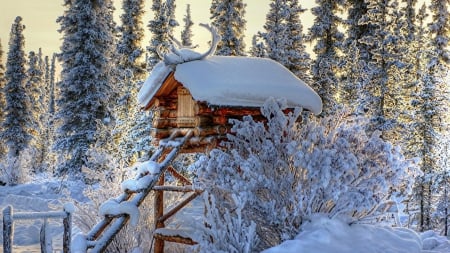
column 8, row 227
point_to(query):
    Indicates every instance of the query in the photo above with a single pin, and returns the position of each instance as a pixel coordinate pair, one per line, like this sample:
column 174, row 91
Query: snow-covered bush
column 290, row 170
column 227, row 231
column 16, row 170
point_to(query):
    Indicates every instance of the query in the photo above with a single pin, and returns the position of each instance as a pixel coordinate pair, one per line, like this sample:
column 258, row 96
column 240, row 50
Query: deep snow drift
column 326, row 235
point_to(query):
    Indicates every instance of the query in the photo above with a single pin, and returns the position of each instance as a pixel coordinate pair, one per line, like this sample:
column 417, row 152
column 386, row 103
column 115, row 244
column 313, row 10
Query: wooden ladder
column 103, row 232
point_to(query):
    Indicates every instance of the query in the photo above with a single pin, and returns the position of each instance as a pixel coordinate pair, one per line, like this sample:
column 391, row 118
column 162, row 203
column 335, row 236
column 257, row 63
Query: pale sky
column 39, row 17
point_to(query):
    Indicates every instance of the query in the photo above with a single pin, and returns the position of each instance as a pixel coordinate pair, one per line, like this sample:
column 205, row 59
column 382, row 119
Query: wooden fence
column 45, row 241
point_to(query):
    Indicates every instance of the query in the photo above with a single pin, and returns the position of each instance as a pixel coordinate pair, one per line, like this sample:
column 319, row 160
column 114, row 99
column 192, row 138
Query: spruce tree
column 284, row 38
column 409, row 9
column 161, row 28
column 186, row 34
column 298, row 60
column 355, row 83
column 2, row 98
column 16, row 124
column 435, row 105
column 328, row 44
column 274, row 30
column 228, row 17
column 258, row 49
column 131, row 37
column 85, row 86
column 132, row 72
column 34, row 88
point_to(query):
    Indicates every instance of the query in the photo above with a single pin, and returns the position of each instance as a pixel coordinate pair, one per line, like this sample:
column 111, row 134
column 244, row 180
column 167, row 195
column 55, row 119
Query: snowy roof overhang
column 234, row 81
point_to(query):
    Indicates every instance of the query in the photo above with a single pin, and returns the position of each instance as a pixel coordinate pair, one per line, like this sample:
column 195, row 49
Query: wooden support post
column 159, row 212
column 46, row 242
column 67, row 236
column 7, row 229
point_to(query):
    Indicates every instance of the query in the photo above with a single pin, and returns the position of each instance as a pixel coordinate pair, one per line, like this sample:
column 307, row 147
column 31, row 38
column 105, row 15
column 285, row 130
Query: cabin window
column 185, row 112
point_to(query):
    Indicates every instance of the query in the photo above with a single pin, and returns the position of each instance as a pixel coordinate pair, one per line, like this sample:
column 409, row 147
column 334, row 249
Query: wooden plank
column 176, row 239
column 7, row 229
column 175, row 188
column 158, row 213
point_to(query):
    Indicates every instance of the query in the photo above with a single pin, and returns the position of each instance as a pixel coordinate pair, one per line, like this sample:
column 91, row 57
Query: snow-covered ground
column 326, row 235
column 39, row 196
column 320, row 235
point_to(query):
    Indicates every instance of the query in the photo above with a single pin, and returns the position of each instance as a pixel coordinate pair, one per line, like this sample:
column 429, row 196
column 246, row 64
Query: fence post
column 67, row 222
column 46, row 241
column 7, row 229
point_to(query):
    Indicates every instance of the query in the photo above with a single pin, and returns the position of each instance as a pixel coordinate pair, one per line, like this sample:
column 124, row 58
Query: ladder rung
column 174, row 235
column 188, row 188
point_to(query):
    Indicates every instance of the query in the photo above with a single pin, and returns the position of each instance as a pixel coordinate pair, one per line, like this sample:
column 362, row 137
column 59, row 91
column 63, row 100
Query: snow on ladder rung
column 175, row 235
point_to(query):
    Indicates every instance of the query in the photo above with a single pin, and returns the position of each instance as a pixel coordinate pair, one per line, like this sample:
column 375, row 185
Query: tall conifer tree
column 132, row 72
column 328, row 44
column 228, row 17
column 85, row 87
column 186, row 34
column 435, row 106
column 17, row 119
column 284, row 38
column 161, row 28
column 2, row 98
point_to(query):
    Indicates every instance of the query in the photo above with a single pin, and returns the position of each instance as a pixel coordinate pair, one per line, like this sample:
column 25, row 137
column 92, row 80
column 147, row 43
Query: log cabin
column 203, row 92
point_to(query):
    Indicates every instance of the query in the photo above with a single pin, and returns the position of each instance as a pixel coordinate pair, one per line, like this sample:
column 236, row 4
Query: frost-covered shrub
column 227, row 231
column 16, row 170
column 290, row 170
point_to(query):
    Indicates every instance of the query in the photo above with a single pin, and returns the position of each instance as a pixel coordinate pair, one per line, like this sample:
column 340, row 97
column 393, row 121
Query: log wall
column 178, row 110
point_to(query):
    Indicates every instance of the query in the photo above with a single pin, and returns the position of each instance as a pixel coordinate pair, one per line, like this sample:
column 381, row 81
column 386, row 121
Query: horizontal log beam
column 176, row 188
column 177, row 239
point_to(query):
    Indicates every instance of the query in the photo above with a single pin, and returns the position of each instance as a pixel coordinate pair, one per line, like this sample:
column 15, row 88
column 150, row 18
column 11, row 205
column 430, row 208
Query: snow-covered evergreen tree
column 434, row 105
column 298, row 60
column 186, row 34
column 132, row 71
column 354, row 82
column 284, row 38
column 85, row 86
column 131, row 37
column 16, row 124
column 228, row 17
column 258, row 48
column 2, row 98
column 328, row 44
column 381, row 100
column 34, row 88
column 409, row 9
column 286, row 171
column 161, row 28
column 51, row 99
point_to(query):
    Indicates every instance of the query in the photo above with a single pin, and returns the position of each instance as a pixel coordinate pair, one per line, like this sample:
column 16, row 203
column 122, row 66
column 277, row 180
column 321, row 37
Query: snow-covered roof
column 234, row 81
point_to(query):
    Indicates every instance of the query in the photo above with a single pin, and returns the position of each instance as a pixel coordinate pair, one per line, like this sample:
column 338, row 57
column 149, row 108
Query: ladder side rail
column 102, row 242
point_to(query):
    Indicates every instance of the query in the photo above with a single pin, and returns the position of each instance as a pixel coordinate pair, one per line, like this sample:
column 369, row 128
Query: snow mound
column 112, row 207
column 326, row 235
column 136, row 185
column 78, row 244
column 149, row 167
